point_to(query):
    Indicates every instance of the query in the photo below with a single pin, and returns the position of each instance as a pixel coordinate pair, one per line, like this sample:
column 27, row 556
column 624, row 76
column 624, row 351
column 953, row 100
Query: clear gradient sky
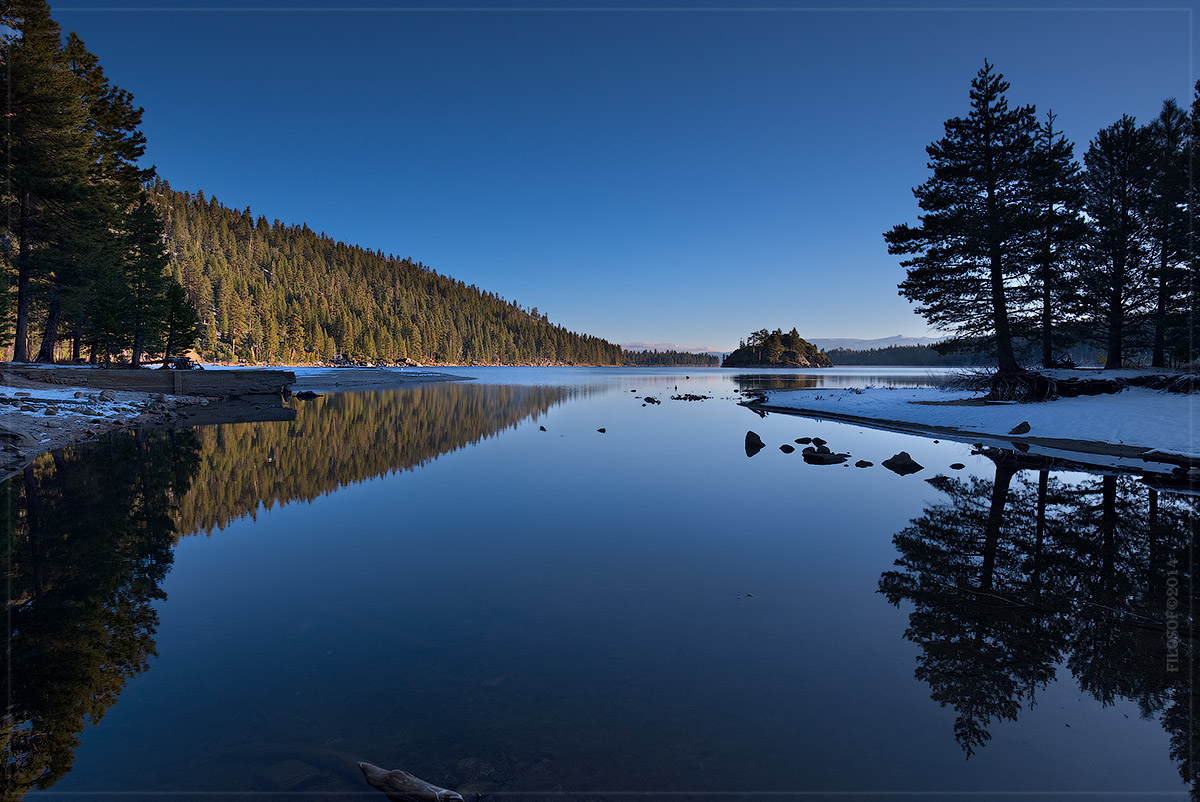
column 677, row 174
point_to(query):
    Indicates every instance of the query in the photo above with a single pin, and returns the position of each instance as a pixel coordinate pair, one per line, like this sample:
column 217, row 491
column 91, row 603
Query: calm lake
column 424, row 579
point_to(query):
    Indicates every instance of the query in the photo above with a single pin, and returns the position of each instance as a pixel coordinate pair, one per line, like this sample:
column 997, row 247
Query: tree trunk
column 1116, row 316
column 139, row 345
column 21, row 340
column 1047, row 336
column 1158, row 358
column 76, row 338
column 50, row 336
column 1004, row 350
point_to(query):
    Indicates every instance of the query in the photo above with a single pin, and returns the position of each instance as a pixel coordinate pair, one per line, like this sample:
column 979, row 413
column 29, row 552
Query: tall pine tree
column 46, row 149
column 1057, row 195
column 967, row 253
column 1115, row 281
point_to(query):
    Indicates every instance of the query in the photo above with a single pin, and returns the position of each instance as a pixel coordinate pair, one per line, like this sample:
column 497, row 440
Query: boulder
column 601, row 430
column 786, row 449
column 754, row 444
column 862, row 463
column 826, row 457
column 816, row 441
column 1021, row 428
column 108, row 395
column 902, row 464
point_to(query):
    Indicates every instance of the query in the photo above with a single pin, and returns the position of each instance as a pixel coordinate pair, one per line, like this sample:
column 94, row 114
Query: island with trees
column 775, row 349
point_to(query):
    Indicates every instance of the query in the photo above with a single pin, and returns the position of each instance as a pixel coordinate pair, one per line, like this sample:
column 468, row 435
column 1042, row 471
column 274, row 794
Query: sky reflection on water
column 503, row 609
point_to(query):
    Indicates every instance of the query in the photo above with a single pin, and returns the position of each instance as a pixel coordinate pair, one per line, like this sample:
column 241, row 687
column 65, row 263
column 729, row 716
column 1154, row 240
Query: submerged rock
column 903, row 464
column 754, row 444
column 400, row 786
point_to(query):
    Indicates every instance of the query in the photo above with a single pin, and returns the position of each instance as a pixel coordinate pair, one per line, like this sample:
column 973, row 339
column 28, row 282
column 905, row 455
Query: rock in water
column 541, row 428
column 786, row 449
column 957, row 466
column 1020, row 428
column 815, row 456
column 803, row 440
column 816, row 441
column 862, row 463
column 903, row 464
column 601, row 430
column 754, row 444
column 400, row 786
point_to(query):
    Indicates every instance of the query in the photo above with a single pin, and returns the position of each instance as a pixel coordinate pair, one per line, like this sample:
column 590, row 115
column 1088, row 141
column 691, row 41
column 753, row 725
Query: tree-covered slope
column 271, row 292
column 776, row 349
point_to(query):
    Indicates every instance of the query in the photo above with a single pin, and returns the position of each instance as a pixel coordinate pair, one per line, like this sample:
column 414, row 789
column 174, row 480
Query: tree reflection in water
column 89, row 533
column 1013, row 579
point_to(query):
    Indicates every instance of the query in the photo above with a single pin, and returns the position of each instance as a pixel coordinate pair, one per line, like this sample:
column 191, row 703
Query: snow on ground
column 1135, row 417
column 125, row 405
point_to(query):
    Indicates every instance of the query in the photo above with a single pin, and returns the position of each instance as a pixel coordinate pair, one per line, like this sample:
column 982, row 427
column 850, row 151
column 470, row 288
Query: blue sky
column 680, row 175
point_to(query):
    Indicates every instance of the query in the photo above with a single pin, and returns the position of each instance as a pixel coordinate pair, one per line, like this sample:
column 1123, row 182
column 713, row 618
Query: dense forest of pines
column 268, row 292
column 1018, row 241
column 669, row 356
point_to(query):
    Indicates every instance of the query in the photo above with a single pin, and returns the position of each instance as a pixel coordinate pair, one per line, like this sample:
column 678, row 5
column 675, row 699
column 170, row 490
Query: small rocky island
column 775, row 349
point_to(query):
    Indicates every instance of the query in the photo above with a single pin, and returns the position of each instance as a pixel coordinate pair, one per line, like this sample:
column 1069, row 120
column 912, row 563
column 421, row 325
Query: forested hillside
column 271, row 292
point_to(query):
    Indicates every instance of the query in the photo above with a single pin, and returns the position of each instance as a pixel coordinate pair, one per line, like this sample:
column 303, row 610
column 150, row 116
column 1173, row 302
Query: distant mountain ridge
column 854, row 344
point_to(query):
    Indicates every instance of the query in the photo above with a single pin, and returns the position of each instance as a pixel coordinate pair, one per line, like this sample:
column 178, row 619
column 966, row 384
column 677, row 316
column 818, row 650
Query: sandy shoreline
column 36, row 417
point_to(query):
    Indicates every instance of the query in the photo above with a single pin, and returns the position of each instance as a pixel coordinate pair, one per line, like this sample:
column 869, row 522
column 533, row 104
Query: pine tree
column 967, row 253
column 110, row 190
column 1057, row 194
column 1168, row 225
column 45, row 153
column 146, row 279
column 180, row 331
column 1114, row 281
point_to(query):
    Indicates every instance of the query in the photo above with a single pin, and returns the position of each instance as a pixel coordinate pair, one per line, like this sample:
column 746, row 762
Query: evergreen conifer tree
column 969, row 250
column 1114, row 281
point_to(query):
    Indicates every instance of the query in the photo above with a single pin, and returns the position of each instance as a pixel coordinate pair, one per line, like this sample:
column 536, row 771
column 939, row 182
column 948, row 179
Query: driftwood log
column 400, row 786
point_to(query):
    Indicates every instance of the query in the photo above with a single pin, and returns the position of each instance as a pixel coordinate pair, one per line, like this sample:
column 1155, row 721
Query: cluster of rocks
column 817, row 452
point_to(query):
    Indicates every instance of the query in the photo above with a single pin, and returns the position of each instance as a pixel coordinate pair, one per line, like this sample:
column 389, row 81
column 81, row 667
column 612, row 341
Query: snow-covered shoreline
column 1129, row 427
column 36, row 417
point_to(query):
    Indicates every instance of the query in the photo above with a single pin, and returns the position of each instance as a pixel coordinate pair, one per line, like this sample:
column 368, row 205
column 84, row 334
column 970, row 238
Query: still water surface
column 424, row 579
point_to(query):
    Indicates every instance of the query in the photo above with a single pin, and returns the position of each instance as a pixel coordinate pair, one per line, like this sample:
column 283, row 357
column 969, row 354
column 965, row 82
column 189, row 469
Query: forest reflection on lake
column 1015, row 578
column 424, row 578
